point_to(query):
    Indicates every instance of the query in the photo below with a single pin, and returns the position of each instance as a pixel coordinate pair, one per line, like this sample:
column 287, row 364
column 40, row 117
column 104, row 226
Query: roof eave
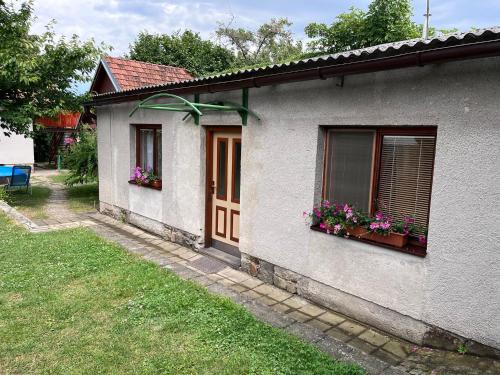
column 310, row 71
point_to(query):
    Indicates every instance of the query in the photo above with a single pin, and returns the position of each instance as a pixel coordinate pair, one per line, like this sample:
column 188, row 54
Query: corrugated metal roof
column 369, row 53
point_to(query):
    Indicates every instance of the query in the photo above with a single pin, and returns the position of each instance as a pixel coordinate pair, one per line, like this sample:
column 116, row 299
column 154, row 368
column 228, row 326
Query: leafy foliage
column 385, row 21
column 3, row 195
column 37, row 72
column 81, row 158
column 186, row 50
column 272, row 42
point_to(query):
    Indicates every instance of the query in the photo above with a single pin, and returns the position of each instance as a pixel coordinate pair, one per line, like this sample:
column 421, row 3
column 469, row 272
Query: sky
column 117, row 22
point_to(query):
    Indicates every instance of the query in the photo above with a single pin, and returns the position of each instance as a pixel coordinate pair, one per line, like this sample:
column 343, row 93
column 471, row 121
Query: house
column 408, row 128
column 16, row 149
column 115, row 74
column 62, row 129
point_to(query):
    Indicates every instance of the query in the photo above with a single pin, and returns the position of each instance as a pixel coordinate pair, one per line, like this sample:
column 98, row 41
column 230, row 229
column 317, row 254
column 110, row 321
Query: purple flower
column 409, row 220
column 385, row 225
column 422, row 239
column 326, row 204
column 379, row 216
column 317, row 212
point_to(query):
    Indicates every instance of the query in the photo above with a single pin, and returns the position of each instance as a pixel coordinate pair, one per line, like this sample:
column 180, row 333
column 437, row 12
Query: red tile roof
column 132, row 74
column 63, row 120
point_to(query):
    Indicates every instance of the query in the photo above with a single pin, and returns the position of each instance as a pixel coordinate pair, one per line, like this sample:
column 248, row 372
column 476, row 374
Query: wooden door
column 226, row 189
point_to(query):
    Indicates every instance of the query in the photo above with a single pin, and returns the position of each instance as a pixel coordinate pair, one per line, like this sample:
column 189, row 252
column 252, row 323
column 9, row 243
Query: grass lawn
column 30, row 205
column 72, row 303
column 59, row 178
column 81, row 198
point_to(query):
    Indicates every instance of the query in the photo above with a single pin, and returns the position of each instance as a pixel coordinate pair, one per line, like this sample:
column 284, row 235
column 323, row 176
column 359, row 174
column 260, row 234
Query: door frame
column 210, row 130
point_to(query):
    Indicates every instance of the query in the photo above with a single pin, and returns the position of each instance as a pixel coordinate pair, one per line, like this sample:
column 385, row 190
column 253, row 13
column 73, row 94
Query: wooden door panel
column 235, row 226
column 226, row 180
column 220, row 221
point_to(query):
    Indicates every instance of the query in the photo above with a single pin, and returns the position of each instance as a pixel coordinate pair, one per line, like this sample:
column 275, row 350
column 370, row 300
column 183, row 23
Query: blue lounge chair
column 20, row 178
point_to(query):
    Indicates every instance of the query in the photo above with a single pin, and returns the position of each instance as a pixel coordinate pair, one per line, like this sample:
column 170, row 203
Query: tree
column 271, row 43
column 390, row 21
column 187, row 50
column 38, row 72
column 385, row 21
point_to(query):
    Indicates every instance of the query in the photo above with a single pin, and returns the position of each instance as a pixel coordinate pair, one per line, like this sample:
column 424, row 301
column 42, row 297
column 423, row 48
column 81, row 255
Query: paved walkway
column 336, row 334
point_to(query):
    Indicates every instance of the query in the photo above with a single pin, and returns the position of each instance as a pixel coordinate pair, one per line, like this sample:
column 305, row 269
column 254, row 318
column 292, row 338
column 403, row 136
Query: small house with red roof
column 116, row 74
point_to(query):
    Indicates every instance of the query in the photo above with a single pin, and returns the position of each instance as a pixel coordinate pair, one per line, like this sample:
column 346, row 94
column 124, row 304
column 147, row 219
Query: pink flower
column 348, row 214
column 409, row 220
column 322, row 226
column 422, row 239
column 379, row 216
column 374, row 225
column 317, row 213
column 385, row 225
column 337, row 228
column 326, row 204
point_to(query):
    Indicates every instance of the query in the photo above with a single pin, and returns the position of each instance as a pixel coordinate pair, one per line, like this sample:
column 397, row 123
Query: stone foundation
column 365, row 311
column 165, row 231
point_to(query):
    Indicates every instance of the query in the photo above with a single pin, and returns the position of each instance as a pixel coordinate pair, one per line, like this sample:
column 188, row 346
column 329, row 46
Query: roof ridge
column 145, row 62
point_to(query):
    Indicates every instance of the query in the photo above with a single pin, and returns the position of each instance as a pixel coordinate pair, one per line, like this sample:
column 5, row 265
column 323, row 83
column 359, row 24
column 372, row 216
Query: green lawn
column 30, row 205
column 72, row 303
column 83, row 198
column 60, row 177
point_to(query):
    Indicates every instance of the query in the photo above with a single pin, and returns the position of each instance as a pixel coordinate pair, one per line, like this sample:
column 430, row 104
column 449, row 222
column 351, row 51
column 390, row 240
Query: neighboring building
column 411, row 126
column 62, row 129
column 16, row 149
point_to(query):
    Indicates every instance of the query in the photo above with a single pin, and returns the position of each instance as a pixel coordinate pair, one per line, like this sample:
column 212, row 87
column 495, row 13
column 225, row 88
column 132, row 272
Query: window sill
column 132, row 182
column 408, row 249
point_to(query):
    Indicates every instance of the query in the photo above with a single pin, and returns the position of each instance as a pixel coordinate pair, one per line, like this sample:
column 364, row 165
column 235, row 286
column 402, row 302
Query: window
column 382, row 169
column 148, row 147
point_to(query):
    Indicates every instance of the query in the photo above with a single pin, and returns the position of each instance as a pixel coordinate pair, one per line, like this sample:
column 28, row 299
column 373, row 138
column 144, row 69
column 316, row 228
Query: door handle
column 212, row 187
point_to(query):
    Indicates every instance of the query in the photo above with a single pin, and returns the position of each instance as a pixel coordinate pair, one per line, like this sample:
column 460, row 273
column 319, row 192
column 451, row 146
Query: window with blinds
column 349, row 167
column 405, row 176
column 383, row 169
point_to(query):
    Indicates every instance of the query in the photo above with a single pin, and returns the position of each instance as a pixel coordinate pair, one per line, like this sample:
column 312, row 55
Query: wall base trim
column 168, row 232
column 380, row 317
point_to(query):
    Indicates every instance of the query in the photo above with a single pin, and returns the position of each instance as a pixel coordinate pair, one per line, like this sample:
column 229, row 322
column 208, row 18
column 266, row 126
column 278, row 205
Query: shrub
column 80, row 158
column 3, row 194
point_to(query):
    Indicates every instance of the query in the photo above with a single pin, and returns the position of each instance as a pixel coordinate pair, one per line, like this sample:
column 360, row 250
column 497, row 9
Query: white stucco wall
column 16, row 149
column 456, row 287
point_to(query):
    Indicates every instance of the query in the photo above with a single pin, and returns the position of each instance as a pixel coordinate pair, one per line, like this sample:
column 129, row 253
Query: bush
column 81, row 158
column 3, row 194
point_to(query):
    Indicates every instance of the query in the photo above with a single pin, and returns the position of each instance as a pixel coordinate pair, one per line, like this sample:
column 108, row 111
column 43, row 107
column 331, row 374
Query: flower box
column 357, row 231
column 144, row 184
column 392, row 239
column 156, row 184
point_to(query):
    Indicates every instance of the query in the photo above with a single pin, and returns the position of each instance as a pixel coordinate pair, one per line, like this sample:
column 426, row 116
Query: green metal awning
column 197, row 109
